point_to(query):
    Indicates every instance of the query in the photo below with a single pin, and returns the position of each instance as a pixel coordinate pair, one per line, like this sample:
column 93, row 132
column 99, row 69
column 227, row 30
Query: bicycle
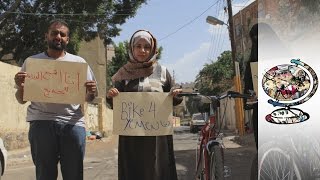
column 209, row 152
column 296, row 157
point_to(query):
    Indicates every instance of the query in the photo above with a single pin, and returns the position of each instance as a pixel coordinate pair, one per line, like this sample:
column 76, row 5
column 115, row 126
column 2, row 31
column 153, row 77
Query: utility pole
column 236, row 77
column 173, row 78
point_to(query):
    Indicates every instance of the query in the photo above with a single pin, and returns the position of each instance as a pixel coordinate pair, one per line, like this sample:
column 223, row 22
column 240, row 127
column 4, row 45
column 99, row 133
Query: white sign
column 142, row 114
column 55, row 81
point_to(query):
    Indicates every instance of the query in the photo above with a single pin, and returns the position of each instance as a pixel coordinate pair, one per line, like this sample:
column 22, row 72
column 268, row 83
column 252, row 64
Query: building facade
column 243, row 21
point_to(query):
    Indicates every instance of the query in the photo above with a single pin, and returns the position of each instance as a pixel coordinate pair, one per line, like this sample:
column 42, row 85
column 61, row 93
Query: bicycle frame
column 208, row 137
column 210, row 140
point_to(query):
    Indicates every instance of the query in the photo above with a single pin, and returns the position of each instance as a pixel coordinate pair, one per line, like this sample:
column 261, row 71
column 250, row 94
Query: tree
column 215, row 78
column 121, row 57
column 8, row 9
column 22, row 31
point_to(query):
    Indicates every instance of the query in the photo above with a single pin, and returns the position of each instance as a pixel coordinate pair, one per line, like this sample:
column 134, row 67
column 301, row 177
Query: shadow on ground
column 186, row 164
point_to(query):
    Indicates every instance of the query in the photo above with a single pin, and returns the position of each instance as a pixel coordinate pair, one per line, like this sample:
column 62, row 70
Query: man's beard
column 56, row 46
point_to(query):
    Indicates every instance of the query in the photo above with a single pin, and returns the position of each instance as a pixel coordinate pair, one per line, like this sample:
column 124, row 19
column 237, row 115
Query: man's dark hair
column 58, row 21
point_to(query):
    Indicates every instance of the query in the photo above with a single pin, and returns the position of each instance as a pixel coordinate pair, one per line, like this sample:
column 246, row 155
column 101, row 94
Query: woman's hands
column 175, row 92
column 91, row 87
column 112, row 92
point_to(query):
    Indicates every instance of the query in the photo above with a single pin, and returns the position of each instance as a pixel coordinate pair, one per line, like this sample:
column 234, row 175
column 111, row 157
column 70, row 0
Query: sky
column 180, row 27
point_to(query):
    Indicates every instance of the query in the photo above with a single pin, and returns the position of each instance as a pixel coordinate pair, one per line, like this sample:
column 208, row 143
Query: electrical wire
column 219, row 36
column 213, row 34
column 188, row 23
column 225, row 32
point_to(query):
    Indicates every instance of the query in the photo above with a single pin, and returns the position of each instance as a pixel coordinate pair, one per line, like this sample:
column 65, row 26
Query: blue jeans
column 52, row 142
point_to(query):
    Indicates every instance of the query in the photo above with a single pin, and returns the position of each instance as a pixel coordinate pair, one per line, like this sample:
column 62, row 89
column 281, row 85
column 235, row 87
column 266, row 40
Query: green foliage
column 22, row 29
column 121, row 57
column 160, row 49
column 194, row 105
column 215, row 78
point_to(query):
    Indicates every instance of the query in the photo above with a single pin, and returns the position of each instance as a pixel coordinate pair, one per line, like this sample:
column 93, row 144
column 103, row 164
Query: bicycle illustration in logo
column 289, row 154
column 289, row 85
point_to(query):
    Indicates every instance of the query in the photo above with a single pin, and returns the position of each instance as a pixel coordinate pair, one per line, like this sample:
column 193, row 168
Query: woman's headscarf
column 135, row 69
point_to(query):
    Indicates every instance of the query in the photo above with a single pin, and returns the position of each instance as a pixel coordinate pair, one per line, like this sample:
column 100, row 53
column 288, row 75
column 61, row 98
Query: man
column 57, row 131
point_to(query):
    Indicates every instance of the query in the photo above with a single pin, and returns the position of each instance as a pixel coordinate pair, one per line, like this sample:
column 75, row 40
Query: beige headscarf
column 135, row 69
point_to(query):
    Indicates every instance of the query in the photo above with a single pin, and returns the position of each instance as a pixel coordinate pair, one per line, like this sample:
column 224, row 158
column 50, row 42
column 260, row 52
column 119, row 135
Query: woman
column 248, row 84
column 144, row 157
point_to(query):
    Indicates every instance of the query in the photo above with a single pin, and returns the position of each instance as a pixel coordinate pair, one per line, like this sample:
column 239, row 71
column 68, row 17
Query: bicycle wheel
column 216, row 163
column 200, row 174
column 276, row 164
column 203, row 165
column 306, row 148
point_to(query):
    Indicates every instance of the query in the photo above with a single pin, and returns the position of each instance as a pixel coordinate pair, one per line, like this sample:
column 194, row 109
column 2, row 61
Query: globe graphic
column 286, row 82
column 289, row 85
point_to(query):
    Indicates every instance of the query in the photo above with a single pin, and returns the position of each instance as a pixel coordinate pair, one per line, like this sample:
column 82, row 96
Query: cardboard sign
column 142, row 114
column 55, row 81
column 254, row 74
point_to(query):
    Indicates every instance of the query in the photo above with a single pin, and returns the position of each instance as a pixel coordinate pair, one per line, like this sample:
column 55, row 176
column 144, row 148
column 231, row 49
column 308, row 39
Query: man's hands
column 19, row 79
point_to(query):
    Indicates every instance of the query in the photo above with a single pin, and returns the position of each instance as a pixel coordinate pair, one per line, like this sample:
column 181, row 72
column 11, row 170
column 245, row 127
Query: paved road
column 101, row 158
column 239, row 154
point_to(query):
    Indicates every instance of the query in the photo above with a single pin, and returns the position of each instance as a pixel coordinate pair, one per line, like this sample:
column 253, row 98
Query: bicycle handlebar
column 229, row 94
column 188, row 94
column 234, row 94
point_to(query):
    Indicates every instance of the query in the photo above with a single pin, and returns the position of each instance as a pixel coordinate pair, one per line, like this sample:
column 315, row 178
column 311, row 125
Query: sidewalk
column 230, row 139
column 233, row 140
column 22, row 156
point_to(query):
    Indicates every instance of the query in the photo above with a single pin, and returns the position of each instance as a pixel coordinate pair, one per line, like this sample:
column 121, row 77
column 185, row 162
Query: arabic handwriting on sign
column 48, row 92
column 45, row 75
column 66, row 79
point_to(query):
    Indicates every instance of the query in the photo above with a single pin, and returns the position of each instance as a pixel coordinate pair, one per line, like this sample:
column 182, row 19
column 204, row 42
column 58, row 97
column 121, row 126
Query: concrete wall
column 98, row 116
column 13, row 126
column 227, row 115
column 95, row 54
